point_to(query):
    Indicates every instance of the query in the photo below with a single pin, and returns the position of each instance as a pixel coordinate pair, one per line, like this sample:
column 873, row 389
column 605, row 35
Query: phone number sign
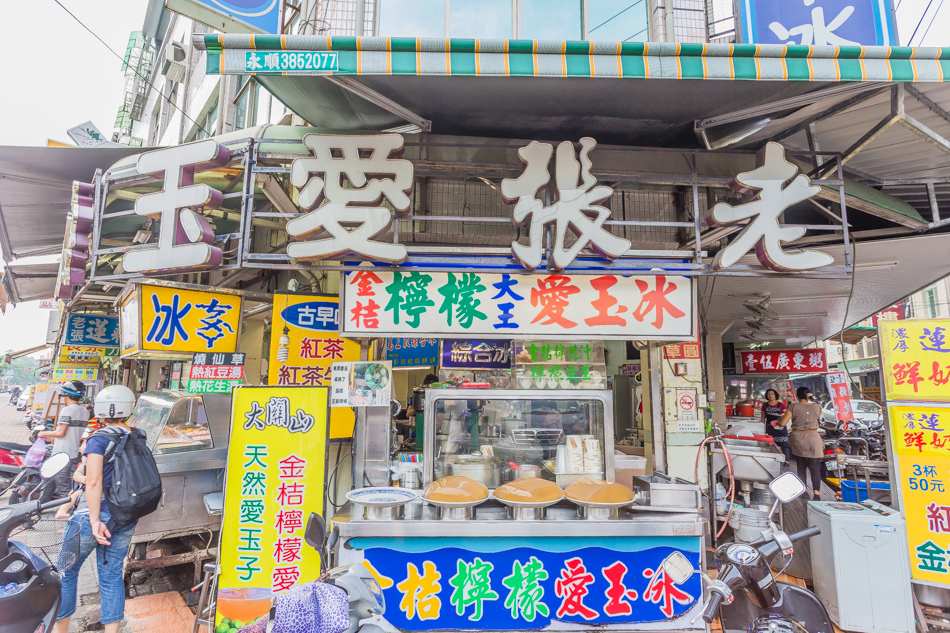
column 308, row 62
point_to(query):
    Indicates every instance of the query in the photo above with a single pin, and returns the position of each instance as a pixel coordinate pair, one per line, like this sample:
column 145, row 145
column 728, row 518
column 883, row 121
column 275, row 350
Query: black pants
column 812, row 464
column 64, row 479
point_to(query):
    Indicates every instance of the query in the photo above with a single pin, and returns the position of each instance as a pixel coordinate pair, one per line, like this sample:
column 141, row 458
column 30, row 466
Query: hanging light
column 283, row 346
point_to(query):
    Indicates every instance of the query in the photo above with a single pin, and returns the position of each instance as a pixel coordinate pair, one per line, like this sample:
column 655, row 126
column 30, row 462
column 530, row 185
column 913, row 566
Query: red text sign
column 784, row 361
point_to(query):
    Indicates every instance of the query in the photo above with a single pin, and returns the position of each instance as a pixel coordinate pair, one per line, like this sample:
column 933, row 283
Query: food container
column 660, row 491
column 524, row 470
column 382, row 504
column 481, row 468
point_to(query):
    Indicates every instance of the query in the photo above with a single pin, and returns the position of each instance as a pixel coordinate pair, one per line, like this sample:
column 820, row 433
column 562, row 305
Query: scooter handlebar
column 709, row 614
column 55, row 503
column 806, row 533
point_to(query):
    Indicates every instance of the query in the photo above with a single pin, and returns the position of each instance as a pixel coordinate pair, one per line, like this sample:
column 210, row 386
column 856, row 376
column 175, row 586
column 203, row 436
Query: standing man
column 69, row 429
column 113, row 407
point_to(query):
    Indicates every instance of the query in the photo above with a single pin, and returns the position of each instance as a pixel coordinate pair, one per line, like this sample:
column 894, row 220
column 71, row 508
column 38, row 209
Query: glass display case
column 174, row 422
column 495, row 436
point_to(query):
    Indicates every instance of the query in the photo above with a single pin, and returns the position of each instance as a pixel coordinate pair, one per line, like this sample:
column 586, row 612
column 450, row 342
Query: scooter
column 31, row 605
column 11, row 461
column 30, row 485
column 746, row 594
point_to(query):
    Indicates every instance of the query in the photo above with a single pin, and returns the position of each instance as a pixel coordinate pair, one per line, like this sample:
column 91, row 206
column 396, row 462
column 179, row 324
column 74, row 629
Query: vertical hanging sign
column 915, row 362
column 275, row 476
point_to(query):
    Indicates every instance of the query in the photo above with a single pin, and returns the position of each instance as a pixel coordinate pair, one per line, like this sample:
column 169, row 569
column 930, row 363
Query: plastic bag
column 34, row 456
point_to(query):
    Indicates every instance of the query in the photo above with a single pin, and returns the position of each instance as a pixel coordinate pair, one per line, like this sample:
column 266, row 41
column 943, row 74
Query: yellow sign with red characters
column 915, row 359
column 275, row 477
column 305, row 340
column 179, row 321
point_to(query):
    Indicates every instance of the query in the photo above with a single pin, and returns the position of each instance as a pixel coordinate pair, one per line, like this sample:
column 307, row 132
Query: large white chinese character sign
column 185, row 239
column 575, row 209
column 764, row 232
column 342, row 187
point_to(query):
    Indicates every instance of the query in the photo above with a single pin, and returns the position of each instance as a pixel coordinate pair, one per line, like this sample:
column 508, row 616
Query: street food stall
column 496, row 542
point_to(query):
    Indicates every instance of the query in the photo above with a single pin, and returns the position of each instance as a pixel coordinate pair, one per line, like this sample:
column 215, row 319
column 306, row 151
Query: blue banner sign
column 476, row 354
column 93, row 330
column 412, row 352
column 313, row 315
column 818, row 22
column 263, row 15
column 527, row 586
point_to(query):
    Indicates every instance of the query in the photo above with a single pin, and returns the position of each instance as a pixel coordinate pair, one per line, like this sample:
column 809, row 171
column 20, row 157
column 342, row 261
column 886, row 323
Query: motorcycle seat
column 14, row 448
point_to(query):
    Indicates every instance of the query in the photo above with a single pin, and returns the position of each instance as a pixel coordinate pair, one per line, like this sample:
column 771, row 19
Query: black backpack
column 136, row 487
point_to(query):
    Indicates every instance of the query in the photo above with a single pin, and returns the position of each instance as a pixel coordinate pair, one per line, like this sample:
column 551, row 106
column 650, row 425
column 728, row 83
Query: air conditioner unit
column 174, row 66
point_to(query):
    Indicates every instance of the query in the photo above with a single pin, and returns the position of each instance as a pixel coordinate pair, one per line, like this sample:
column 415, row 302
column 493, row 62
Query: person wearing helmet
column 113, row 406
column 70, row 426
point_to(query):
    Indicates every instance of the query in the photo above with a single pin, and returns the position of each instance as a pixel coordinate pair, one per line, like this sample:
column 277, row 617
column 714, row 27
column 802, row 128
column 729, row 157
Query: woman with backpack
column 93, row 519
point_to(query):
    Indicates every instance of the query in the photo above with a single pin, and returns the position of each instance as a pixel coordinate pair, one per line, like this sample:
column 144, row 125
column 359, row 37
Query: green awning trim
column 231, row 54
column 869, row 199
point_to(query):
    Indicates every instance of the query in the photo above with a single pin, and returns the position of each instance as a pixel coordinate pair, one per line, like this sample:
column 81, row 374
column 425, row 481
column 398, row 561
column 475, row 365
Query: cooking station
column 498, row 564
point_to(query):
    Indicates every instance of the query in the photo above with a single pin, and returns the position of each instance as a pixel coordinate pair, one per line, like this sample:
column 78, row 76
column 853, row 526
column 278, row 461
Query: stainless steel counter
column 491, row 519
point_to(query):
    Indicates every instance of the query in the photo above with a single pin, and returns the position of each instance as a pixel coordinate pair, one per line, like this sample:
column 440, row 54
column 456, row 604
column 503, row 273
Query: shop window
column 930, row 300
column 480, row 18
column 412, row 18
column 244, row 102
column 618, row 20
column 551, row 20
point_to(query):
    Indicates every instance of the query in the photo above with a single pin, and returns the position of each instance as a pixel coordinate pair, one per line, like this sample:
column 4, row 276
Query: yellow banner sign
column 275, row 477
column 67, row 372
column 916, row 359
column 177, row 320
column 305, row 340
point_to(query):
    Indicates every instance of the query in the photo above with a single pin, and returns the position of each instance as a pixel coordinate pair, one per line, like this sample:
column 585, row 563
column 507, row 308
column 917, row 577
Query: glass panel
column 866, row 407
column 412, row 18
column 240, row 110
column 551, row 20
column 480, row 18
column 482, row 438
column 617, row 20
column 172, row 424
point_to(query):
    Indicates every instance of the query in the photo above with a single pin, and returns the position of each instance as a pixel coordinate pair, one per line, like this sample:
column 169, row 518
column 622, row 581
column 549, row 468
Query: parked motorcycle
column 30, row 484
column 36, row 423
column 30, row 572
column 746, row 594
column 11, row 461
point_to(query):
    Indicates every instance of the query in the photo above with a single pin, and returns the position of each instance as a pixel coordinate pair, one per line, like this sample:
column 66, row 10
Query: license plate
column 832, row 465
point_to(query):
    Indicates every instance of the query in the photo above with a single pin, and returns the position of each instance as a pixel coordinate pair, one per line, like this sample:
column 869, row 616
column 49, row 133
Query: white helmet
column 114, row 402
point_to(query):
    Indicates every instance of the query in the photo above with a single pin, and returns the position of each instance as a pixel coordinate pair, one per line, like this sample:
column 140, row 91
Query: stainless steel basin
column 752, row 460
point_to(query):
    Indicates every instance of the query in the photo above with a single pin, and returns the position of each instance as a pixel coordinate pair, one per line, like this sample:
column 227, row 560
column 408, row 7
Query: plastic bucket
column 746, row 410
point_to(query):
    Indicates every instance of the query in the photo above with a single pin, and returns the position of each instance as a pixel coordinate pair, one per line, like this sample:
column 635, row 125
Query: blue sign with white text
column 818, row 22
column 412, row 352
column 501, row 588
column 263, row 15
column 93, row 330
column 313, row 315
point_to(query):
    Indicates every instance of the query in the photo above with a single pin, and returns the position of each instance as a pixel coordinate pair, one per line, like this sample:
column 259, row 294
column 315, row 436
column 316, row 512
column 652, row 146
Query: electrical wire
column 910, row 42
column 615, row 16
column 122, row 59
column 932, row 18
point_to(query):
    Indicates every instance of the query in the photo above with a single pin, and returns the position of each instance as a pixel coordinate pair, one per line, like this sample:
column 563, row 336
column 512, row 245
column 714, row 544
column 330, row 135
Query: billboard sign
column 232, row 16
column 818, row 22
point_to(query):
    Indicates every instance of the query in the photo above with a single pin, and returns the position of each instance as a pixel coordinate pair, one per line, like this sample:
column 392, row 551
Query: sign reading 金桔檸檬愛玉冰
column 817, row 22
column 276, row 469
column 614, row 307
column 305, row 341
column 178, row 320
column 511, row 584
column 476, row 354
column 784, row 361
column 412, row 352
column 92, row 330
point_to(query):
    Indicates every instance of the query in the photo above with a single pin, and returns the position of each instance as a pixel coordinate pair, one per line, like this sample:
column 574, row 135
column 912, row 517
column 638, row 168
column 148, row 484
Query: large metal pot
column 486, row 470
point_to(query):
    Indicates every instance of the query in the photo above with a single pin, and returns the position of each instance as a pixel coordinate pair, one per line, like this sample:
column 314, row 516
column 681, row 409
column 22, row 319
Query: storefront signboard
column 840, row 389
column 178, row 322
column 362, row 384
column 784, row 389
column 305, row 341
column 412, row 352
column 513, row 584
column 784, row 361
column 560, row 365
column 130, row 325
column 476, row 354
column 894, row 313
column 94, row 330
column 291, row 62
column 215, row 372
column 464, row 304
column 232, row 16
column 825, row 23
column 630, row 369
column 63, row 372
column 915, row 359
column 682, row 351
column 275, row 476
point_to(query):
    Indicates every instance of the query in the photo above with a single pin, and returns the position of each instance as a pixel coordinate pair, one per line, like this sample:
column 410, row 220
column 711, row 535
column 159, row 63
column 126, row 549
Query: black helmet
column 74, row 388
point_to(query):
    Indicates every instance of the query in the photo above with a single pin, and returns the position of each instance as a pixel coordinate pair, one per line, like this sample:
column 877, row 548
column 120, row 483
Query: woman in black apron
column 772, row 412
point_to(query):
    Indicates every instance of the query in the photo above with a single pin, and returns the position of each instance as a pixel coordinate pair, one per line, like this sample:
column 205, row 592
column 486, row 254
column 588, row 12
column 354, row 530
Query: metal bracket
column 354, row 86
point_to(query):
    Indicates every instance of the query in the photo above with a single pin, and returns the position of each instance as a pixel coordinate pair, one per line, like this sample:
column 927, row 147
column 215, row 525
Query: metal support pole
column 844, row 215
column 934, row 209
column 360, row 17
column 658, row 424
column 697, row 226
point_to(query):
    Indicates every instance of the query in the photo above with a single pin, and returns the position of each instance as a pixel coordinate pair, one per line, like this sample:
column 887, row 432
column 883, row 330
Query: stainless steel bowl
column 483, row 469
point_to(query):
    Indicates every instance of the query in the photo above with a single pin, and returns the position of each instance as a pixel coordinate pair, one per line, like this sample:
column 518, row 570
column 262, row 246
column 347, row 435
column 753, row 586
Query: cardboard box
column 625, row 476
column 632, row 450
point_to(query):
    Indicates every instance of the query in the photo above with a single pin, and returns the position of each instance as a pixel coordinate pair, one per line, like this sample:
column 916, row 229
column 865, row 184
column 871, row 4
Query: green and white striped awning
column 361, row 56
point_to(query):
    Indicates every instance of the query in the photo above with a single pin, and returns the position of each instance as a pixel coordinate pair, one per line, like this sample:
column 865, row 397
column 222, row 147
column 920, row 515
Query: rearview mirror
column 787, row 487
column 316, row 531
column 52, row 466
column 678, row 568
